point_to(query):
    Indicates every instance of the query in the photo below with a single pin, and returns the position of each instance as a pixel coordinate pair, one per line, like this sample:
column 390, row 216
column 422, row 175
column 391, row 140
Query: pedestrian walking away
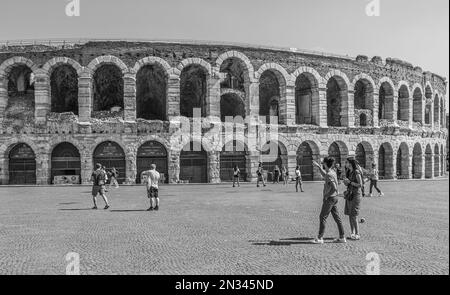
column 298, row 180
column 236, row 176
column 260, row 175
column 98, row 179
column 374, row 181
column 285, row 172
column 330, row 201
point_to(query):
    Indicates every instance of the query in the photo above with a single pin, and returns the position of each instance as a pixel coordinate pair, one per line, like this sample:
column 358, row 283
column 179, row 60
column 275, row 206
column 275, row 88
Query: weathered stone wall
column 86, row 131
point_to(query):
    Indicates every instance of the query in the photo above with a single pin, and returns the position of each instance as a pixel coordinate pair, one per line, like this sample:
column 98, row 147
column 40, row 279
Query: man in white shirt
column 152, row 182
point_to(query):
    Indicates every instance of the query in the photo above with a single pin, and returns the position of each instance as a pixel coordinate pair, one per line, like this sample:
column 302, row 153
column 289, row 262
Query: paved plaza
column 216, row 229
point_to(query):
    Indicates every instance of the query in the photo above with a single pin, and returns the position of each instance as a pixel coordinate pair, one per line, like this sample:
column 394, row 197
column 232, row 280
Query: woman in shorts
column 353, row 195
column 285, row 175
column 298, row 179
column 276, row 174
column 260, row 175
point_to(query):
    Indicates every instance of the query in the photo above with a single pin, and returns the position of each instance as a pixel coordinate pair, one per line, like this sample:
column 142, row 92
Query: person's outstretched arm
column 321, row 170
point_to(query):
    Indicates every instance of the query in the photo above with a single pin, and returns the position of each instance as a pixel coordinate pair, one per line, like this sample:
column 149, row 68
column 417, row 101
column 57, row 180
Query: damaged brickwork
column 112, row 102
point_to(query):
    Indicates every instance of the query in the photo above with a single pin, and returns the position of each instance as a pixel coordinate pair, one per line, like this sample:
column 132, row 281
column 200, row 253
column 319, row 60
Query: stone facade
column 383, row 139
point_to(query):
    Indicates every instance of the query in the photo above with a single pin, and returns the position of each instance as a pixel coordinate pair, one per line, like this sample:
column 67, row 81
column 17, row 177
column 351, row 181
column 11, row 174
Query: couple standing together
column 354, row 183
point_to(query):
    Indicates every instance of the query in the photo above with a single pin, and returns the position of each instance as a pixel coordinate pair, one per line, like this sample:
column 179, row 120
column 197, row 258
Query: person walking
column 98, row 179
column 285, row 175
column 374, row 181
column 114, row 174
column 330, row 201
column 298, row 180
column 260, row 174
column 353, row 181
column 236, row 176
column 276, row 174
column 152, row 184
column 338, row 172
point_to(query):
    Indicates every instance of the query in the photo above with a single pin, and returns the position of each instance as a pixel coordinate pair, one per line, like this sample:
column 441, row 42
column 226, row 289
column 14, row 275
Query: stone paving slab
column 217, row 229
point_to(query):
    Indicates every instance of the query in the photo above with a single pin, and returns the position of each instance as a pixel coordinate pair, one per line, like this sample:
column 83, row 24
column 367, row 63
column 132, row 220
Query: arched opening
column 336, row 96
column 269, row 95
column 436, row 113
column 306, row 153
column 231, row 105
column 233, row 153
column 443, row 114
column 363, row 95
column 403, row 162
column 193, row 164
column 152, row 152
column 236, row 75
column 66, row 164
column 64, row 90
column 339, row 152
column 306, row 99
column 363, row 120
column 417, row 105
column 194, row 89
column 270, row 161
column 417, row 161
column 403, row 104
column 151, row 93
column 385, row 161
column 111, row 155
column 108, row 89
column 428, row 162
column 437, row 160
column 21, row 99
column 386, row 102
column 22, row 165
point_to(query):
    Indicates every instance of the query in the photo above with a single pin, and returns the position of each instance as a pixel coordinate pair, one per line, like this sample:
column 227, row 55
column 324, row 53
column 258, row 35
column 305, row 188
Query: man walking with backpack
column 98, row 179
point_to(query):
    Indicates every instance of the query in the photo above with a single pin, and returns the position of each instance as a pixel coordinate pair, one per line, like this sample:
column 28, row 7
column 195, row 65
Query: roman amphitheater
column 65, row 106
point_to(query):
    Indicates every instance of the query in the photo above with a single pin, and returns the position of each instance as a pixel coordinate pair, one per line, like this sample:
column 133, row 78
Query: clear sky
column 413, row 30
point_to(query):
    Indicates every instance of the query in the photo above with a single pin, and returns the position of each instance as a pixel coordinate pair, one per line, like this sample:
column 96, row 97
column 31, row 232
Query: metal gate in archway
column 110, row 155
column 66, row 163
column 194, row 166
column 152, row 152
column 22, row 165
column 305, row 160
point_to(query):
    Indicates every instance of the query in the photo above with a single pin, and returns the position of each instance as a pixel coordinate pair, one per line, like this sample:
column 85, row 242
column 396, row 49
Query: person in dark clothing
column 98, row 179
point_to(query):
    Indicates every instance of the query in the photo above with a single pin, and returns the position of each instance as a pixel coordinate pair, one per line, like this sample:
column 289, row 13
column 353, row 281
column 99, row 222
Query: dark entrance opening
column 304, row 160
column 66, row 164
column 193, row 165
column 152, row 152
column 110, row 155
column 22, row 165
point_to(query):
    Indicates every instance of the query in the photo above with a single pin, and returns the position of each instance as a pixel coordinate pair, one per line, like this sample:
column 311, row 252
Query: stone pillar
column 42, row 97
column 253, row 99
column 3, row 96
column 4, row 173
column 375, row 110
column 129, row 97
column 173, row 97
column 391, row 172
column 348, row 110
column 43, row 169
column 287, row 111
column 423, row 159
column 213, row 97
column 291, row 163
column 252, row 160
column 85, row 97
column 322, row 116
column 131, row 169
column 174, row 167
column 411, row 109
column 395, row 110
column 87, row 167
column 214, row 167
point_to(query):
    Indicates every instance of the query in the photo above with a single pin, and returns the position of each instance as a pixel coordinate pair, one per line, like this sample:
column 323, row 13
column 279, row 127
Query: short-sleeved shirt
column 98, row 177
column 374, row 174
column 298, row 173
column 328, row 189
column 153, row 177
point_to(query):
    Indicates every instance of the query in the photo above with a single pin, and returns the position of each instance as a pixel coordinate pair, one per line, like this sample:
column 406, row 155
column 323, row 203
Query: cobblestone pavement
column 216, row 229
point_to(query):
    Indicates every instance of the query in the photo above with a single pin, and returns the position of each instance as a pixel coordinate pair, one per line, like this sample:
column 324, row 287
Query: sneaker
column 370, row 196
column 340, row 240
column 317, row 241
column 381, row 194
column 352, row 237
column 357, row 237
column 106, row 207
column 156, row 208
column 94, row 208
column 150, row 209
